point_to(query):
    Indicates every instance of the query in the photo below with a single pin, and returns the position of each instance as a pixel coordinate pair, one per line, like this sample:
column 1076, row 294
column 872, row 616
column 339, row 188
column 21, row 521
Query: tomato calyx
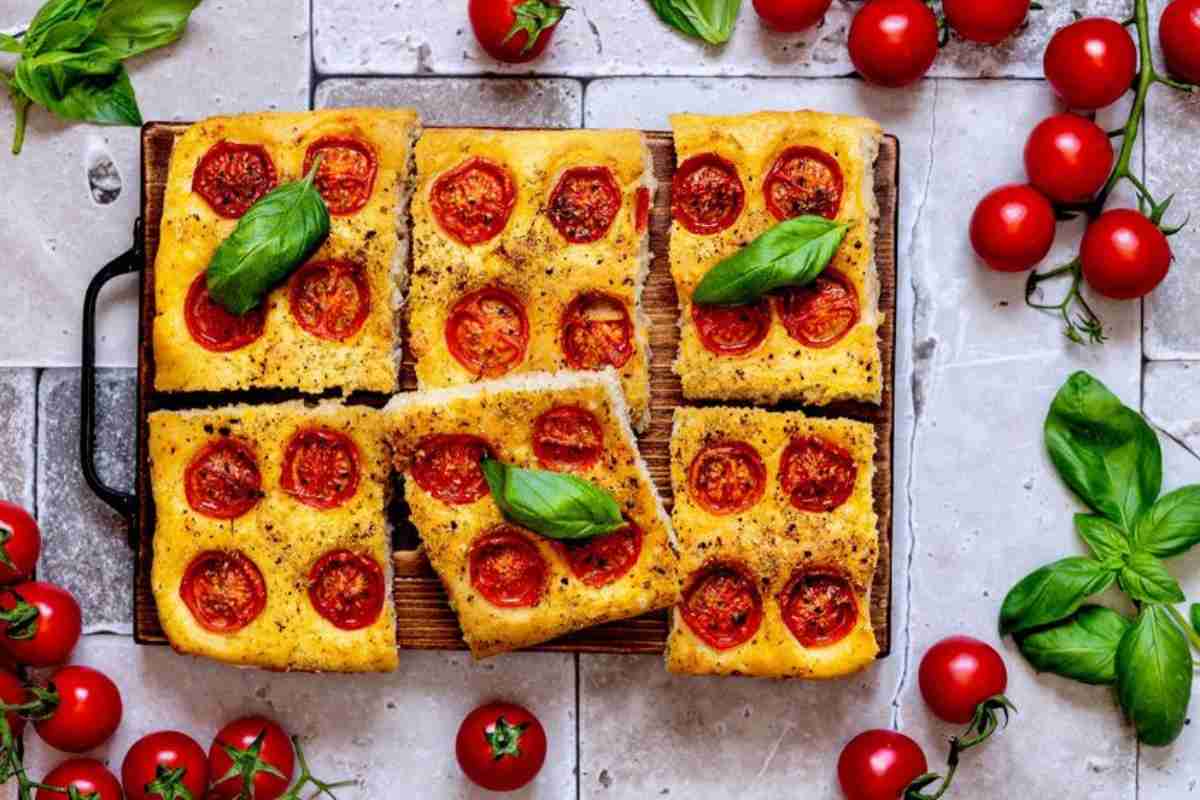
column 6, row 533
column 168, row 784
column 21, row 621
column 247, row 763
column 534, row 17
column 505, row 738
column 991, row 716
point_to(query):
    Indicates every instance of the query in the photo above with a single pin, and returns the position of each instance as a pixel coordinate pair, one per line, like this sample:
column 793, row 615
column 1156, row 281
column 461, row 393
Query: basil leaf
column 1172, row 525
column 1108, row 542
column 276, row 235
column 128, row 28
column 1154, row 676
column 1104, row 451
column 41, row 37
column 792, row 253
column 1083, row 647
column 710, row 20
column 1052, row 593
column 554, row 504
column 1195, row 616
column 10, row 44
column 669, row 13
column 1145, row 578
column 80, row 86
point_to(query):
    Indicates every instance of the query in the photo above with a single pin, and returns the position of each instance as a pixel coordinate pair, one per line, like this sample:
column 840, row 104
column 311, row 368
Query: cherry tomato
column 791, row 16
column 707, row 195
column 893, row 42
column 275, row 752
column 597, row 332
column 567, row 437
column 819, row 607
column 821, row 313
column 1068, row 158
column 181, row 760
column 222, row 480
column 87, row 776
column 13, row 693
column 507, row 568
column 804, row 180
column 20, row 543
column 816, row 474
column 54, row 620
column 1179, row 33
column 213, row 327
column 487, row 331
column 347, row 589
column 224, row 590
column 447, row 466
column 1091, row 63
column 320, row 468
column 727, row 476
column 722, row 606
column 515, row 31
column 879, row 764
column 959, row 673
column 231, row 177
column 987, row 22
column 1124, row 254
column 501, row 747
column 347, row 172
column 88, row 713
column 473, row 201
column 601, row 560
column 584, row 204
column 1013, row 228
column 330, row 299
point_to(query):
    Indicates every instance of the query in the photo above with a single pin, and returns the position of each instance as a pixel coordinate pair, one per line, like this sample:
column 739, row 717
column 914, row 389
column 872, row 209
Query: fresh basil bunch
column 72, row 52
column 1111, row 459
column 710, row 20
column 553, row 504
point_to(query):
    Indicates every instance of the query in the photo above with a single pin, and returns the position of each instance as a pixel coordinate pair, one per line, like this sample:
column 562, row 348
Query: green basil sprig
column 276, row 235
column 710, row 20
column 1154, row 676
column 1084, row 648
column 553, row 504
column 792, row 253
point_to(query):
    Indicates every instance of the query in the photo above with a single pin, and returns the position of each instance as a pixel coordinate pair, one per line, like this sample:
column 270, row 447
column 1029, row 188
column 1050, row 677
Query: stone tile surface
column 18, row 409
column 528, row 103
column 1169, row 401
column 85, row 547
column 236, row 56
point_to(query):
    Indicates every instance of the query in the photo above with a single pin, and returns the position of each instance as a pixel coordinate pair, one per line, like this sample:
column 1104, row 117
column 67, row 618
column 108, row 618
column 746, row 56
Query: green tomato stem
column 21, row 105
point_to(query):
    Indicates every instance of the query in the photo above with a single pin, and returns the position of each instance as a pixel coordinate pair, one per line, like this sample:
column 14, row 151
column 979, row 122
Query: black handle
column 131, row 261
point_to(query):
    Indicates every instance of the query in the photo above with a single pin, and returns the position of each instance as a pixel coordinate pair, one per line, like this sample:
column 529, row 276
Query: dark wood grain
column 424, row 619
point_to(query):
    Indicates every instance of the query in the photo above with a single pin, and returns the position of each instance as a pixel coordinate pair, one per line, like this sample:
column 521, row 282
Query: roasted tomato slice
column 597, row 332
column 473, row 201
column 641, row 210
column 821, row 313
column 330, row 299
column 706, row 194
column 320, row 468
column 231, row 177
column 507, row 568
column 347, row 589
column 603, row 559
column 732, row 330
column 222, row 481
column 487, row 331
column 819, row 607
column 727, row 477
column 224, row 590
column 722, row 605
column 447, row 465
column 817, row 474
column 804, row 180
column 347, row 173
column 214, row 328
column 585, row 203
column 567, row 437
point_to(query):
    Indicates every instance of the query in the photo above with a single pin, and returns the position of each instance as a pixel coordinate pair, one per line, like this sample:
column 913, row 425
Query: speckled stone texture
column 1171, row 400
column 18, row 402
column 85, row 547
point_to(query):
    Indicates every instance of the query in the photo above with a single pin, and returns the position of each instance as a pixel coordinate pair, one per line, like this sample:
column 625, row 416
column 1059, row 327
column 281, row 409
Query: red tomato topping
column 602, row 560
column 821, row 313
column 330, row 299
column 473, row 201
column 727, row 477
column 232, row 177
column 819, row 607
column 347, row 173
column 507, row 568
column 585, row 203
column 222, row 481
column 347, row 589
column 87, row 777
column 213, row 327
column 641, row 210
column 817, row 474
column 320, row 468
column 567, row 437
column 20, row 540
column 447, row 465
column 487, row 331
column 732, row 330
column 804, row 180
column 722, row 605
column 706, row 194
column 225, row 591
column 597, row 332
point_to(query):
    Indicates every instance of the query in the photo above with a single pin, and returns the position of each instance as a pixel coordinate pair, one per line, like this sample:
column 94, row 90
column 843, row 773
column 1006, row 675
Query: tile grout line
column 320, row 77
column 312, row 55
column 578, row 729
column 35, row 457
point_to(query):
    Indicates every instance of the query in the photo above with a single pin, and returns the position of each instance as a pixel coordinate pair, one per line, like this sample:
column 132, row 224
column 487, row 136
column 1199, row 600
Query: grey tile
column 18, row 409
column 1169, row 400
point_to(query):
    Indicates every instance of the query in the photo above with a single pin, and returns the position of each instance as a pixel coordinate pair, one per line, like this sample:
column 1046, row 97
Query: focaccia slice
column 510, row 587
column 816, row 344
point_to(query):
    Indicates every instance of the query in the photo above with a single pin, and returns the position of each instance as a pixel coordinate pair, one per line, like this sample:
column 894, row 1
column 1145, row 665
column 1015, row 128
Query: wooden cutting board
column 423, row 616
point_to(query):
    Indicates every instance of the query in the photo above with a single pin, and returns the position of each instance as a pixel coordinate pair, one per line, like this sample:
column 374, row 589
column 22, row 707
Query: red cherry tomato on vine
column 514, row 31
column 46, row 638
column 893, row 42
column 1068, row 158
column 173, row 751
column 879, row 764
column 87, row 776
column 1013, row 228
column 791, row 16
column 959, row 673
column 13, row 693
column 1124, row 254
column 88, row 713
column 1179, row 33
column 21, row 543
column 276, row 751
column 987, row 22
column 501, row 746
column 1091, row 63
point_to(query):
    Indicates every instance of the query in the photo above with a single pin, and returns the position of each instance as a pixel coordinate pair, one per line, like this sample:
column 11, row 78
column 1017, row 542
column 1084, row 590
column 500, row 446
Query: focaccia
column 816, row 344
column 510, row 587
column 778, row 544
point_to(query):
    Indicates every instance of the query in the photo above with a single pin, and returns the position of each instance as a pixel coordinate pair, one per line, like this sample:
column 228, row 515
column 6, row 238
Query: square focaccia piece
column 736, row 178
column 271, row 546
column 333, row 323
column 512, row 588
column 530, row 253
column 778, row 544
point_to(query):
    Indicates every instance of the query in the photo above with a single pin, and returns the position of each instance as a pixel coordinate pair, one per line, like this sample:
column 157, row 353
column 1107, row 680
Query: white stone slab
column 18, row 409
column 238, row 56
column 1171, row 400
column 517, row 103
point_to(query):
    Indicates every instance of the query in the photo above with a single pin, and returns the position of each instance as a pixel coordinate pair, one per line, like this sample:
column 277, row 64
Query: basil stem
column 552, row 504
